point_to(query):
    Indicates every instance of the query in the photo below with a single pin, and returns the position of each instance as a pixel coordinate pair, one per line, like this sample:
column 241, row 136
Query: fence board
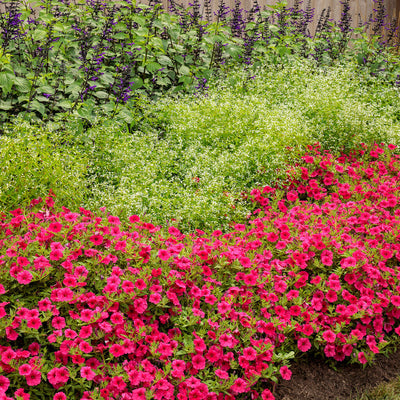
column 359, row 8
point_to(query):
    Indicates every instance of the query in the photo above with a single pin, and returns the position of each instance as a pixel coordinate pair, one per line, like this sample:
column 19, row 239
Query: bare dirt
column 315, row 380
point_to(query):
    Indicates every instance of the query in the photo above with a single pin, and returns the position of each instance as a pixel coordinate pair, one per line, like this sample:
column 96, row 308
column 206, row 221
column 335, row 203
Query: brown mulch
column 315, row 380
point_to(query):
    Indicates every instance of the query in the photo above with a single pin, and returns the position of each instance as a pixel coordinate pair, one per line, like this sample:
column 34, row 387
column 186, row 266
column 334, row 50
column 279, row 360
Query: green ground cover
column 190, row 158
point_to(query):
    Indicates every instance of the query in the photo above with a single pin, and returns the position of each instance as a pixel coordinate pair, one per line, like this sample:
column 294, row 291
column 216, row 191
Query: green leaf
column 120, row 35
column 184, row 70
column 69, row 79
column 100, row 95
column 64, row 104
column 164, row 60
column 273, row 28
column 153, row 66
column 59, row 27
column 107, row 78
column 36, row 105
column 46, row 89
column 6, row 82
column 86, row 113
column 142, row 32
column 282, row 50
column 139, row 20
column 42, row 99
column 23, row 84
column 108, row 107
column 126, row 115
column 232, row 50
column 74, row 89
column 179, row 59
column 5, row 105
column 39, row 34
column 121, row 26
column 137, row 83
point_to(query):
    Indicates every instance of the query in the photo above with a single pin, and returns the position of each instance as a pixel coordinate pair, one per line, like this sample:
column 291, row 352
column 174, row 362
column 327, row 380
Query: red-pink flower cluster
column 131, row 309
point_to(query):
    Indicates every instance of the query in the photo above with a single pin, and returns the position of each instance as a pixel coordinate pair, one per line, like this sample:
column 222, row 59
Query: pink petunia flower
column 179, row 365
column 4, row 384
column 155, row 298
column 164, row 255
column 34, row 323
column 134, row 218
column 60, row 396
column 97, row 240
column 239, row 386
column 58, row 322
column 303, row 344
column 329, row 336
column 285, row 372
column 25, row 369
column 85, row 347
column 117, row 350
column 55, row 227
column 34, row 378
column 62, row 375
column 199, row 362
column 24, row 277
column 249, row 353
column 222, row 374
column 8, row 355
column 87, row 373
column 85, row 332
column 267, row 395
column 361, row 358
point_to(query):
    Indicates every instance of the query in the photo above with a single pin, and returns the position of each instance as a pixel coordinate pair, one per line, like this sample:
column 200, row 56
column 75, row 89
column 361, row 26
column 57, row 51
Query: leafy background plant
column 97, row 59
column 190, row 159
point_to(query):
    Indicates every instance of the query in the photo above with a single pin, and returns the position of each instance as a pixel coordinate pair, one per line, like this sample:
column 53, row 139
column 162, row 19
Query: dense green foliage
column 101, row 59
column 190, row 159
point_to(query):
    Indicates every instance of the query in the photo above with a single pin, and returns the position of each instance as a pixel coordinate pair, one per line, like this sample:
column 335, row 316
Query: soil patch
column 315, row 380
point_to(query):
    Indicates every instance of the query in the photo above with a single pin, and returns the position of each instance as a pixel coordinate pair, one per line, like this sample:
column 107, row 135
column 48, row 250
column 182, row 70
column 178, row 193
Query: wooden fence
column 360, row 9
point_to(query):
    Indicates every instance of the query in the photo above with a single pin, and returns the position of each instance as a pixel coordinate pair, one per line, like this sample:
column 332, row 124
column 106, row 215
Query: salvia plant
column 95, row 58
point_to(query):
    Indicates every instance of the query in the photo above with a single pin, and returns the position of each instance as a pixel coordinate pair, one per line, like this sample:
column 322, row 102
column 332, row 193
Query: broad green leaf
column 46, row 89
column 59, row 27
column 185, row 79
column 74, row 88
column 42, row 99
column 153, row 66
column 121, row 26
column 39, row 34
column 142, row 32
column 5, row 105
column 164, row 60
column 6, row 82
column 126, row 115
column 107, row 78
column 108, row 107
column 184, row 70
column 36, row 105
column 64, row 104
column 23, row 84
column 100, row 95
column 137, row 83
column 120, row 35
column 69, row 79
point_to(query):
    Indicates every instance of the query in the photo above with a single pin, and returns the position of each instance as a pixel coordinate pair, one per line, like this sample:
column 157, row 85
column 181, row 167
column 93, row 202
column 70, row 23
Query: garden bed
column 315, row 380
column 95, row 308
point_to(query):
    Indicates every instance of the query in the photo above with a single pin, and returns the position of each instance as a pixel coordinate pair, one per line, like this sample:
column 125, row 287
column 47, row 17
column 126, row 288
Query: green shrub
column 34, row 160
column 191, row 158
